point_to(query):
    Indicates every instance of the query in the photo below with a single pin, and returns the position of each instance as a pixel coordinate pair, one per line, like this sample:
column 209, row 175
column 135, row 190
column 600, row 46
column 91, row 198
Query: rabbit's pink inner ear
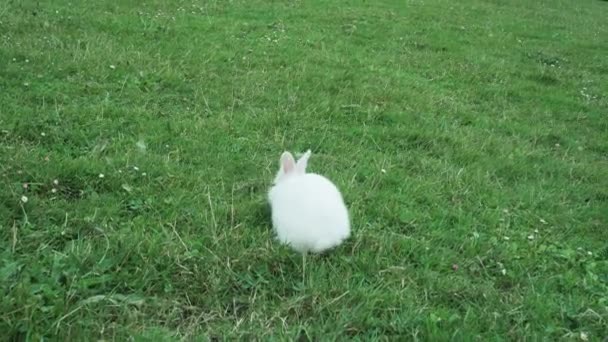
column 287, row 166
column 287, row 162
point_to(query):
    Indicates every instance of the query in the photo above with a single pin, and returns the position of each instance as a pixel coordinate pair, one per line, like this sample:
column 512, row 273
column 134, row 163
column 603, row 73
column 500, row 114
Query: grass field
column 138, row 140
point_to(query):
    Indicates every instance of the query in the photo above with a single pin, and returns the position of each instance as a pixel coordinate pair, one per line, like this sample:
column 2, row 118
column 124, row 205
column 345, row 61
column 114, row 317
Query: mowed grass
column 138, row 141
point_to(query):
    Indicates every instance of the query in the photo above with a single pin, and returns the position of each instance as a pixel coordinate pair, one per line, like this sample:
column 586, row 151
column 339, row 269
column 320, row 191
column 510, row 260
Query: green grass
column 469, row 133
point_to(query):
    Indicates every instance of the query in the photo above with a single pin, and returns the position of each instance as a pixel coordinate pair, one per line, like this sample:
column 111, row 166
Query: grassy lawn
column 138, row 140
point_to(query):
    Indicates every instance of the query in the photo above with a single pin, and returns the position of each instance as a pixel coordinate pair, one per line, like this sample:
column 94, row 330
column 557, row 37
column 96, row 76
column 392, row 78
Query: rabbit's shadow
column 290, row 264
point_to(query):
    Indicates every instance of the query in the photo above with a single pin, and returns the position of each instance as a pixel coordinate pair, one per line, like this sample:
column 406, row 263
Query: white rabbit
column 308, row 212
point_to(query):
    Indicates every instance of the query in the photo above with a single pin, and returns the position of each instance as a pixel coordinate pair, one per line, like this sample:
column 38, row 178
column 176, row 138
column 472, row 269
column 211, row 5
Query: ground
column 138, row 141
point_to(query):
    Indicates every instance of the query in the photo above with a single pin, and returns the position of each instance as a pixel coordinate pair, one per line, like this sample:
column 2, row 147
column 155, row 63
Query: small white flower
column 144, row 174
column 589, row 253
column 56, row 182
column 112, row 66
column 383, row 170
column 43, row 134
column 530, row 237
column 24, row 199
column 536, row 231
column 101, row 175
column 541, row 220
column 584, row 336
column 141, row 145
column 53, row 190
column 503, row 271
column 135, row 168
column 506, row 238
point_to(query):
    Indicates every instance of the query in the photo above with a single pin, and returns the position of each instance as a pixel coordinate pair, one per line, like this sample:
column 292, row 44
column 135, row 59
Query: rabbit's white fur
column 308, row 211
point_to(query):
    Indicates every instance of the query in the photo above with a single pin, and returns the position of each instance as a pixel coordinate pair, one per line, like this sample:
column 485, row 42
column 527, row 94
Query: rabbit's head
column 288, row 167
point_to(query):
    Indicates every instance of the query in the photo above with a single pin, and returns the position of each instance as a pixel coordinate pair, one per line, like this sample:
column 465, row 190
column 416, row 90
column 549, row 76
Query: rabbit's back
column 308, row 213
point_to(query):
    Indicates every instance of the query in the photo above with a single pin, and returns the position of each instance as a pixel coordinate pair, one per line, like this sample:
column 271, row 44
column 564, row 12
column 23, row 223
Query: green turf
column 469, row 138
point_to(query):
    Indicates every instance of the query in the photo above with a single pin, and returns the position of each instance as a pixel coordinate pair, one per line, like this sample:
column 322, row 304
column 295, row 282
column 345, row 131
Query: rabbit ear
column 288, row 164
column 303, row 162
